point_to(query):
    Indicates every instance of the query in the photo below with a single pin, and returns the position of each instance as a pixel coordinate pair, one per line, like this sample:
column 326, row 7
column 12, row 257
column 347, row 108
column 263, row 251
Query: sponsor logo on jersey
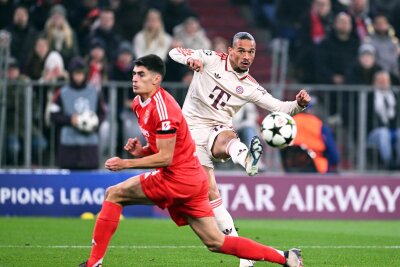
column 239, row 90
column 166, row 125
column 263, row 90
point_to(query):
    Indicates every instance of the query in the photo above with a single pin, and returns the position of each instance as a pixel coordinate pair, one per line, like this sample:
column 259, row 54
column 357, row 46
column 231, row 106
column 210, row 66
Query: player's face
column 242, row 54
column 145, row 82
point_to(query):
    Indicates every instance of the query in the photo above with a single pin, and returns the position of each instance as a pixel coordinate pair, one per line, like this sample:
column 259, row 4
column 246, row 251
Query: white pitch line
column 193, row 247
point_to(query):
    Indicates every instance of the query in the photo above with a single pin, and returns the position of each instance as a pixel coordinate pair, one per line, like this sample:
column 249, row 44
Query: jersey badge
column 217, row 76
column 239, row 90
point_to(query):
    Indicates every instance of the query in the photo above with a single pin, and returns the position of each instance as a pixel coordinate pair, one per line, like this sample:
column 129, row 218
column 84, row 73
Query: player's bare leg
column 227, row 144
column 206, row 229
column 223, row 218
column 125, row 193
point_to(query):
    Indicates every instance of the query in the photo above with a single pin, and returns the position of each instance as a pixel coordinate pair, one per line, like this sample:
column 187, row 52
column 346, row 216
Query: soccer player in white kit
column 221, row 85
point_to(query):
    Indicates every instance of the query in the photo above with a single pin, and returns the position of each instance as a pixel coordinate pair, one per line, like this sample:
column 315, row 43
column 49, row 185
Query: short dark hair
column 152, row 62
column 242, row 36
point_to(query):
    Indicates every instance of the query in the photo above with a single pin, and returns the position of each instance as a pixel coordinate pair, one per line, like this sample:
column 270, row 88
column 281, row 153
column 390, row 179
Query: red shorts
column 181, row 200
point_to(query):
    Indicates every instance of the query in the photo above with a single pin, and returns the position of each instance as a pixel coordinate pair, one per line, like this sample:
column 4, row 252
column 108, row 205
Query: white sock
column 226, row 225
column 223, row 218
column 237, row 151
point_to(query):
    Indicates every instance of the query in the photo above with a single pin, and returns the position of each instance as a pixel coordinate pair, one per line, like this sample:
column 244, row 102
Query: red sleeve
column 166, row 121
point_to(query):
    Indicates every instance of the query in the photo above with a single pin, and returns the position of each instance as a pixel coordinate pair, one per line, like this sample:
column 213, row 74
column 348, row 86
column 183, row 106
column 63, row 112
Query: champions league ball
column 278, row 129
column 87, row 121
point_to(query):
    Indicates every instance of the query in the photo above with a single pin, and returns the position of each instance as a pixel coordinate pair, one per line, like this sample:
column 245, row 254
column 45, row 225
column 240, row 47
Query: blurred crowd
column 47, row 34
column 335, row 42
column 345, row 42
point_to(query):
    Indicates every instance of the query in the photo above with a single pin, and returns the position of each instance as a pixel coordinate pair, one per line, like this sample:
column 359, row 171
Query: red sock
column 245, row 248
column 106, row 224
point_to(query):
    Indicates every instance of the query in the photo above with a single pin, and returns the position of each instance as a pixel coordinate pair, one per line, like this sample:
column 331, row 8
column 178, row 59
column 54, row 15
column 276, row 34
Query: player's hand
column 195, row 64
column 303, row 98
column 115, row 164
column 134, row 147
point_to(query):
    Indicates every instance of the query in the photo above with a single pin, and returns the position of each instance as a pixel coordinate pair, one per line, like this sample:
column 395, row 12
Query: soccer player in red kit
column 179, row 182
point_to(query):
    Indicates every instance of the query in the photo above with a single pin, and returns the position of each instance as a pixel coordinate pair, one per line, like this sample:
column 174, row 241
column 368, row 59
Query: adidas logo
column 227, row 231
column 241, row 150
column 217, row 76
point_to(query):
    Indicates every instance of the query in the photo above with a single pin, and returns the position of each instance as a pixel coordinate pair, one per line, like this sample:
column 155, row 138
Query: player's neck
column 147, row 95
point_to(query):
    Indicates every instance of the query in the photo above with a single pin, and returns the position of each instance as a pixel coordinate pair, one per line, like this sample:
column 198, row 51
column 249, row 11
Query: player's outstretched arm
column 303, row 98
column 192, row 58
column 266, row 101
column 163, row 158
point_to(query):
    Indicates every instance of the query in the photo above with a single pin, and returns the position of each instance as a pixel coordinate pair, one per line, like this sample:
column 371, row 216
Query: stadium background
column 361, row 189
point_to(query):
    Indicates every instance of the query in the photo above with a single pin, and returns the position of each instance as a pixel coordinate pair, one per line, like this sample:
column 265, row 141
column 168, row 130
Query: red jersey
column 161, row 117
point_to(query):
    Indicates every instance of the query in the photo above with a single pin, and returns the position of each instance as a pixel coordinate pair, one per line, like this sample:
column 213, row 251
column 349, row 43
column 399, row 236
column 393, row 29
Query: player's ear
column 157, row 78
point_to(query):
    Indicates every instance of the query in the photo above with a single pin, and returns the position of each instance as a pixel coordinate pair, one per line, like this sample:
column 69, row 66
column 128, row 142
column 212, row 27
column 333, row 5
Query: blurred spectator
column 289, row 14
column 220, row 44
column 82, row 15
column 395, row 15
column 97, row 63
column 122, row 66
column 23, row 35
column 122, row 71
column 54, row 70
column 61, row 36
column 175, row 13
column 364, row 69
column 264, row 13
column 386, row 45
column 192, row 35
column 152, row 39
column 35, row 63
column 53, row 73
column 362, row 23
column 315, row 27
column 16, row 117
column 336, row 51
column 6, row 11
column 314, row 135
column 106, row 32
column 40, row 12
column 383, row 123
column 77, row 149
column 129, row 16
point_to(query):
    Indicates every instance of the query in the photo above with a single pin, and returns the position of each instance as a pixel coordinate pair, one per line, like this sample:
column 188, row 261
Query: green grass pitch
column 157, row 242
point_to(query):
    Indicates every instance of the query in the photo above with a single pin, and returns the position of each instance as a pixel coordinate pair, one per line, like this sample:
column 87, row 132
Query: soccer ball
column 278, row 129
column 87, row 121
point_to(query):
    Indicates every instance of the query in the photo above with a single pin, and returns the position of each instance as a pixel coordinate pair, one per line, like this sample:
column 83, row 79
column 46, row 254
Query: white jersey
column 217, row 93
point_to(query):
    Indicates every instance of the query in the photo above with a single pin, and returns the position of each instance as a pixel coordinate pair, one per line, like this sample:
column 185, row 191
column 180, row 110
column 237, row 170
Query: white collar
column 144, row 103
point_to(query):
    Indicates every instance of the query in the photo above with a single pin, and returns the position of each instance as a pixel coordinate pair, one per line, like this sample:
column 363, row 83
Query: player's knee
column 113, row 193
column 213, row 245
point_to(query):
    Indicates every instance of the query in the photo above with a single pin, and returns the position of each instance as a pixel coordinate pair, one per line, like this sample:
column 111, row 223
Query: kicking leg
column 241, row 247
column 228, row 145
column 125, row 193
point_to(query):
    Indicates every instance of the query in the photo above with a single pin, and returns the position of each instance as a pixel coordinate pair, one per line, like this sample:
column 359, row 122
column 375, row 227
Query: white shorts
column 204, row 139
